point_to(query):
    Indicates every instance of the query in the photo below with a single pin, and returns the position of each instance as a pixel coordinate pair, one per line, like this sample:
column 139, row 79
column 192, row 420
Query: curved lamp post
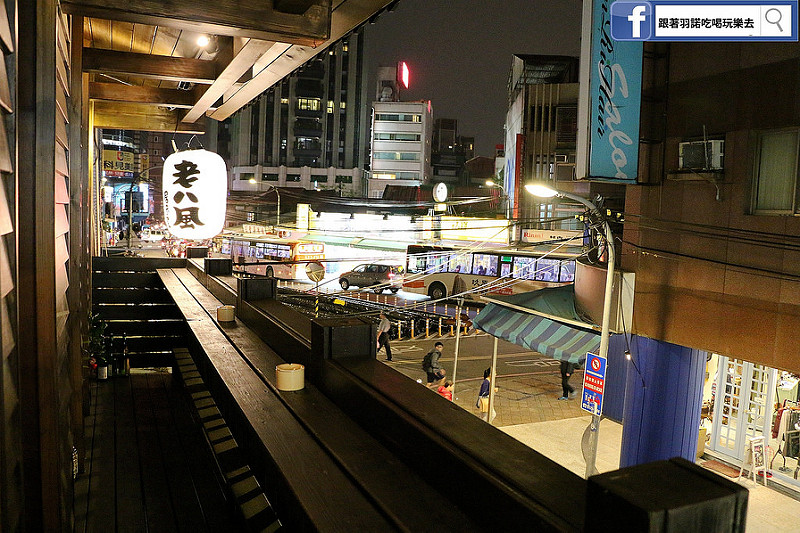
column 504, row 196
column 545, row 191
column 278, row 194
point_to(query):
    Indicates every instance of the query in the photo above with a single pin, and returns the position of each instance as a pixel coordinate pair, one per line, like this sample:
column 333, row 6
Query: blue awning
column 537, row 333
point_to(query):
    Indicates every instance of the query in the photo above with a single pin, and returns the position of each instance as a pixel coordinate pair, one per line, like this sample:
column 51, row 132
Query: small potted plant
column 95, row 346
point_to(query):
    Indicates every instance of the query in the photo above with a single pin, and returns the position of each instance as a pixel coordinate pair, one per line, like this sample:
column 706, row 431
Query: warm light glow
column 252, row 180
column 195, row 188
column 441, row 207
column 541, row 190
column 203, row 41
column 490, row 183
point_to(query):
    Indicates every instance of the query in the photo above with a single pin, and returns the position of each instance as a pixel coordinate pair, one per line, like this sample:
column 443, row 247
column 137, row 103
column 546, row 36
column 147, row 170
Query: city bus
column 271, row 258
column 440, row 272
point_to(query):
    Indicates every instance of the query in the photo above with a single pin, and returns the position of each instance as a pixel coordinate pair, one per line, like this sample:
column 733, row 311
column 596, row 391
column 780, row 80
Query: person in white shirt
column 383, row 336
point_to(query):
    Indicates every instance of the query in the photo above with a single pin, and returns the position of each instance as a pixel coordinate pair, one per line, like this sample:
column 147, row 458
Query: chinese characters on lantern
column 195, row 191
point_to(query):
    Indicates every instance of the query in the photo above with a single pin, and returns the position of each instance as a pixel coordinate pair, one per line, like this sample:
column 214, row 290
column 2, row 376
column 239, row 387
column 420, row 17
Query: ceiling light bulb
column 203, row 41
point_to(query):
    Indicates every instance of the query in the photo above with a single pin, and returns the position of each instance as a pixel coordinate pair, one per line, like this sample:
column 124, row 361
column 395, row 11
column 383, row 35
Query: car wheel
column 344, row 283
column 437, row 291
column 394, row 290
column 377, row 290
column 270, row 272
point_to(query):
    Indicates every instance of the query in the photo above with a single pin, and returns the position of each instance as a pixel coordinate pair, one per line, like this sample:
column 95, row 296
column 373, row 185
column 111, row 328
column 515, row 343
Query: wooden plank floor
column 148, row 467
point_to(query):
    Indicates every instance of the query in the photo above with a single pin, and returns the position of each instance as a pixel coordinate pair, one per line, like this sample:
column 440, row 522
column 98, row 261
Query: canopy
column 513, row 319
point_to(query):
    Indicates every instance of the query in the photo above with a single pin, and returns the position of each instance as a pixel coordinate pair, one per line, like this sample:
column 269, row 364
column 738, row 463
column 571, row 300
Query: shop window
column 776, row 188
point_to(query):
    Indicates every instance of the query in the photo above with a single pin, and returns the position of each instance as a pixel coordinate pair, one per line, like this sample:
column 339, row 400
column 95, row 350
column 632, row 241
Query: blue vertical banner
column 615, row 93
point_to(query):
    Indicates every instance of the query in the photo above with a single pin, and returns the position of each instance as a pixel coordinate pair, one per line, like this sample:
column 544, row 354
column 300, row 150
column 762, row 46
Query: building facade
column 540, row 133
column 714, row 241
column 307, row 131
column 401, row 145
column 450, row 151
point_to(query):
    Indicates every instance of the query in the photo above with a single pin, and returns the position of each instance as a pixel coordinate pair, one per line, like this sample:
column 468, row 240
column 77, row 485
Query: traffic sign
column 594, row 383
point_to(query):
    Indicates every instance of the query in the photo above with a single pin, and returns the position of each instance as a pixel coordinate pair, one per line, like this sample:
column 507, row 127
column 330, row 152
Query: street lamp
column 278, row 213
column 492, row 184
column 543, row 190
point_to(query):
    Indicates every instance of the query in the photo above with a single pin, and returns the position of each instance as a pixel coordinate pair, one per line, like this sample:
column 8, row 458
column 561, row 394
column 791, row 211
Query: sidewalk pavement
column 528, row 410
column 768, row 511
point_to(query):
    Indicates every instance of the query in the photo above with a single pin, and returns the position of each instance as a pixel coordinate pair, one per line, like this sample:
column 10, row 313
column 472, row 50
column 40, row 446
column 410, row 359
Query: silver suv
column 379, row 277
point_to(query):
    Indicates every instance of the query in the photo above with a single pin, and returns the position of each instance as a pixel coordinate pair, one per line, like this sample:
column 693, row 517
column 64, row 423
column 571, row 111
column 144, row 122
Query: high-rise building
column 306, row 131
column 450, row 152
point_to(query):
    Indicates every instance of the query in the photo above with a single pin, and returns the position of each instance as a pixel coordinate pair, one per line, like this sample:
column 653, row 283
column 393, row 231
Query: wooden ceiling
column 147, row 71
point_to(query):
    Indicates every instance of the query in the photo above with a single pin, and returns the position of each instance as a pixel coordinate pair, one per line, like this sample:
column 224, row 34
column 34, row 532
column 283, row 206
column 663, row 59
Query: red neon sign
column 403, row 74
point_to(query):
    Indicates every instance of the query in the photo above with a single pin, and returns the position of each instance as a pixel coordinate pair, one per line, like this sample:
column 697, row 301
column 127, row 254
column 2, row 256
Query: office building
column 307, row 131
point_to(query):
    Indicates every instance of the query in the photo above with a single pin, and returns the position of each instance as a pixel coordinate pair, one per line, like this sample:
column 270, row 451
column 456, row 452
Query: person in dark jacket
column 432, row 367
column 567, row 390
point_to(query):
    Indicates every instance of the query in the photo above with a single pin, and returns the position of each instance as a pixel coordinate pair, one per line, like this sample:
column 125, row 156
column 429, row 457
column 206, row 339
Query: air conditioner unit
column 565, row 171
column 701, row 155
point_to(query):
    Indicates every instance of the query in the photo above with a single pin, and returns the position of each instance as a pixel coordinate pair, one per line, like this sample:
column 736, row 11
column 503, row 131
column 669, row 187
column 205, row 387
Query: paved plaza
column 528, row 410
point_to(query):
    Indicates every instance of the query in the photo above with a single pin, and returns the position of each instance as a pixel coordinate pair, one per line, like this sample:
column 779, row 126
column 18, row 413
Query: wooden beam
column 255, row 19
column 239, row 65
column 141, row 117
column 347, row 15
column 116, row 92
column 149, row 66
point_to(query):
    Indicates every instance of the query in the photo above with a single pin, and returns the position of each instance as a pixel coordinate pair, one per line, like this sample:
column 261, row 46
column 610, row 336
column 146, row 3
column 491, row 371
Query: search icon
column 777, row 20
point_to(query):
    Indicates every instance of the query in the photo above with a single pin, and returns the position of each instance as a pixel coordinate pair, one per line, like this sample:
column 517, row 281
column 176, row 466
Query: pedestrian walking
column 483, row 395
column 446, row 390
column 383, row 336
column 567, row 390
column 431, row 365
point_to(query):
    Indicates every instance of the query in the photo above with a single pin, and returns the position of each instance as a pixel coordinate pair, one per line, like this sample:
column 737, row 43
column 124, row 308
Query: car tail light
column 391, row 275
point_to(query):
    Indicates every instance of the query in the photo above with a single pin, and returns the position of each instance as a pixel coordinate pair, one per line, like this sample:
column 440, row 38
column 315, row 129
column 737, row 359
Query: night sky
column 459, row 53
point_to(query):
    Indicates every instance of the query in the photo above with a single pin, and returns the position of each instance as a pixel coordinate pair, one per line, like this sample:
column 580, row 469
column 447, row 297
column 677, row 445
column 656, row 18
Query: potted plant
column 95, row 346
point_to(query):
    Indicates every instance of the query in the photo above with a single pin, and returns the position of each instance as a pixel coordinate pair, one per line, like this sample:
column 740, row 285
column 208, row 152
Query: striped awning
column 537, row 333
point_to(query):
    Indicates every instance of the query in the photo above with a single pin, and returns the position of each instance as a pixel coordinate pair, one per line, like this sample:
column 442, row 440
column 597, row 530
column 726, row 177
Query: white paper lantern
column 195, row 186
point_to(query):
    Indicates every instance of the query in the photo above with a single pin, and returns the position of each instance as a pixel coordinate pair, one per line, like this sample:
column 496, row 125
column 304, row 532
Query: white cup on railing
column 290, row 376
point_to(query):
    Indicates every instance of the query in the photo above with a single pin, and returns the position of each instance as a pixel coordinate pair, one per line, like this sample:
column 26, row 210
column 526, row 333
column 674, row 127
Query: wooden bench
column 232, row 467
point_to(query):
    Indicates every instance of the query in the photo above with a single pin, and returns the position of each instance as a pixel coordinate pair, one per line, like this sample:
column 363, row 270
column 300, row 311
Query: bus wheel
column 270, row 272
column 378, row 290
column 394, row 290
column 344, row 283
column 437, row 291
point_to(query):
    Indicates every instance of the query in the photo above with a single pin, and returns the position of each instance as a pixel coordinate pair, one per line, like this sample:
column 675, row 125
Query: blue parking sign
column 594, row 383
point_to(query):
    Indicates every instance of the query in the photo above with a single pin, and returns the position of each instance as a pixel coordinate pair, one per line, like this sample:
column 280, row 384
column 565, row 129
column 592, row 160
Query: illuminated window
column 397, row 156
column 776, row 190
column 342, row 104
column 330, row 106
column 345, row 48
column 308, row 104
column 397, row 137
column 284, row 100
column 398, row 117
column 383, row 176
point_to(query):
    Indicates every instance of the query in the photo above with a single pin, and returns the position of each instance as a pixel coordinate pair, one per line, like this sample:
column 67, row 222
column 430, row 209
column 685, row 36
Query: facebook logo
column 631, row 21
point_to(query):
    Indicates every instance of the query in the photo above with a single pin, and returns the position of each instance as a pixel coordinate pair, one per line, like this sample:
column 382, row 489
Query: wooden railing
column 364, row 447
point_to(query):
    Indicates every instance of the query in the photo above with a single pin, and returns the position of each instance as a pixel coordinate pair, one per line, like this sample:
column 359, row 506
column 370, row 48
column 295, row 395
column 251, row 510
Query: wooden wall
column 10, row 430
column 43, row 257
